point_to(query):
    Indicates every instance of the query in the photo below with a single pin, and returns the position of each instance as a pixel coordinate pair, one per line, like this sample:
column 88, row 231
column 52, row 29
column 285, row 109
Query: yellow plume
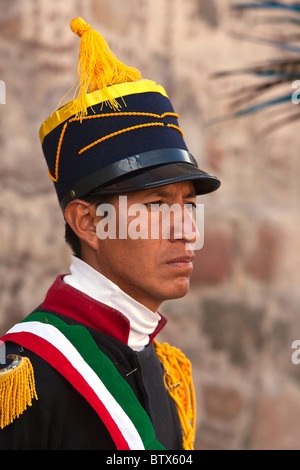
column 98, row 68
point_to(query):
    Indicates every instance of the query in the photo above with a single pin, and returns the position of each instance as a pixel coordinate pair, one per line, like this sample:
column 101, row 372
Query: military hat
column 118, row 134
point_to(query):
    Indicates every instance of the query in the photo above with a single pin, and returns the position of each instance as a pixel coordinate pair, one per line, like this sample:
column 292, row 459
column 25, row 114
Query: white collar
column 92, row 283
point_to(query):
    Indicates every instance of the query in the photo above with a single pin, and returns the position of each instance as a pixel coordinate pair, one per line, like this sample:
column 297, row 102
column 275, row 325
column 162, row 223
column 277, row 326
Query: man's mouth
column 182, row 262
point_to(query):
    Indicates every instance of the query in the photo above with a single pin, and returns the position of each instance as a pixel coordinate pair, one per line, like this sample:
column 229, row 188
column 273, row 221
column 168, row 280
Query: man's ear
column 81, row 216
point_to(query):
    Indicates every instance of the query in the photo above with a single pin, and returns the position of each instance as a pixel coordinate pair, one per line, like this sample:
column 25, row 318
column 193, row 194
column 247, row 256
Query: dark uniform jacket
column 61, row 418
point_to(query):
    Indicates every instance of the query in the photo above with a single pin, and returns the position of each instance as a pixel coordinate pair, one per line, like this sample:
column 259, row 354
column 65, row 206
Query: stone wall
column 241, row 316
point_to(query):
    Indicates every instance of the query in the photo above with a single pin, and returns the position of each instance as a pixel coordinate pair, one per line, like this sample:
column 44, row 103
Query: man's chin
column 179, row 289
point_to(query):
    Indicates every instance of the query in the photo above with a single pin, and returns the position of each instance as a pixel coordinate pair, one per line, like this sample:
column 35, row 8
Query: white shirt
column 92, row 283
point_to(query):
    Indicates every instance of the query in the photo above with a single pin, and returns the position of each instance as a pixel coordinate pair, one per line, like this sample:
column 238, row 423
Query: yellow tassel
column 98, row 68
column 17, row 389
column 179, row 383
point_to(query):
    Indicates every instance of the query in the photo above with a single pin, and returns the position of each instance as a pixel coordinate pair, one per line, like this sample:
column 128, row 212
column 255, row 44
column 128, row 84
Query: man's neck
column 89, row 281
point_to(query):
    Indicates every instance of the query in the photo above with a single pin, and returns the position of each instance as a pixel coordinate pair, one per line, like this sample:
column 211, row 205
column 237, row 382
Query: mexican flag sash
column 71, row 350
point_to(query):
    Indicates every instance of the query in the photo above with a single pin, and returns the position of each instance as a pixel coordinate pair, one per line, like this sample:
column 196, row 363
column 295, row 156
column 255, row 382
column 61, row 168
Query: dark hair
column 72, row 240
column 70, row 236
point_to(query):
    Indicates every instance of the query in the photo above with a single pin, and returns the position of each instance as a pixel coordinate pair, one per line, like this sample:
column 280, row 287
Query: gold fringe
column 17, row 389
column 179, row 383
column 98, row 68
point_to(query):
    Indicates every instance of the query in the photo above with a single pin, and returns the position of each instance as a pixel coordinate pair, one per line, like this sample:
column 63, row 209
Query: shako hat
column 118, row 134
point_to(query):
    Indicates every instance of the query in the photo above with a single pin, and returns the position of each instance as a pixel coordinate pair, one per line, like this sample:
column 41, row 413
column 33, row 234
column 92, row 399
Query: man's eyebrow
column 191, row 194
column 158, row 192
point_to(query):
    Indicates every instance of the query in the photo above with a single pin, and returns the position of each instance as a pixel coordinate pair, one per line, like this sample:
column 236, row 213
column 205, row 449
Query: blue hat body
column 107, row 145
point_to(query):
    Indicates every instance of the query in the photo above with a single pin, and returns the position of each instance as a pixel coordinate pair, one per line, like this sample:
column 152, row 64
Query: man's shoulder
column 53, row 413
column 24, row 368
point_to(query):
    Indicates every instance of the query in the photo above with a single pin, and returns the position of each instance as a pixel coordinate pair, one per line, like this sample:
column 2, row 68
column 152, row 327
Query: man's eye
column 190, row 207
column 153, row 204
column 190, row 204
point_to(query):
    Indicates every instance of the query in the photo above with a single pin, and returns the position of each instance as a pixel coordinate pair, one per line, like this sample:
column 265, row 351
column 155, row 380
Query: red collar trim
column 70, row 302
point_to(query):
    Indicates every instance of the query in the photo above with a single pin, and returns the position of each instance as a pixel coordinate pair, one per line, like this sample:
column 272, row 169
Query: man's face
column 151, row 270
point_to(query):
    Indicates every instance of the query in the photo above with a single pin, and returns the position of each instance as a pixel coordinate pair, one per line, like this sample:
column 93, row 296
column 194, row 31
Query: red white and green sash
column 71, row 350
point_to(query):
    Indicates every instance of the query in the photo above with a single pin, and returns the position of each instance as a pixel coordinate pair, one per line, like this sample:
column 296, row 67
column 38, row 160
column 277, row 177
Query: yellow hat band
column 99, row 96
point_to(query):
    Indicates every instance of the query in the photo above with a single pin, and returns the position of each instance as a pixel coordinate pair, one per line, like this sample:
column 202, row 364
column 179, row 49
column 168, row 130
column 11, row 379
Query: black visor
column 163, row 175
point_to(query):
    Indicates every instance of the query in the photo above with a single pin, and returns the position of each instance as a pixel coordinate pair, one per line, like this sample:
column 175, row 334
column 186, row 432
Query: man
column 85, row 369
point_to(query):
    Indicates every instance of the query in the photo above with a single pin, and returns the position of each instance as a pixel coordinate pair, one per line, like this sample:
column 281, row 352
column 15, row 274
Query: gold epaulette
column 179, row 383
column 17, row 389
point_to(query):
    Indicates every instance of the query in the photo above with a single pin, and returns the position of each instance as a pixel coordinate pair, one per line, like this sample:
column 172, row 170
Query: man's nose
column 185, row 227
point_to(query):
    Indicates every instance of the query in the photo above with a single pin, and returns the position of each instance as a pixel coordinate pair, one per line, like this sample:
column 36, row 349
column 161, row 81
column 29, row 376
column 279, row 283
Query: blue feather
column 284, row 19
column 274, row 72
column 249, row 110
column 263, row 105
column 273, row 43
column 267, row 71
column 267, row 5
